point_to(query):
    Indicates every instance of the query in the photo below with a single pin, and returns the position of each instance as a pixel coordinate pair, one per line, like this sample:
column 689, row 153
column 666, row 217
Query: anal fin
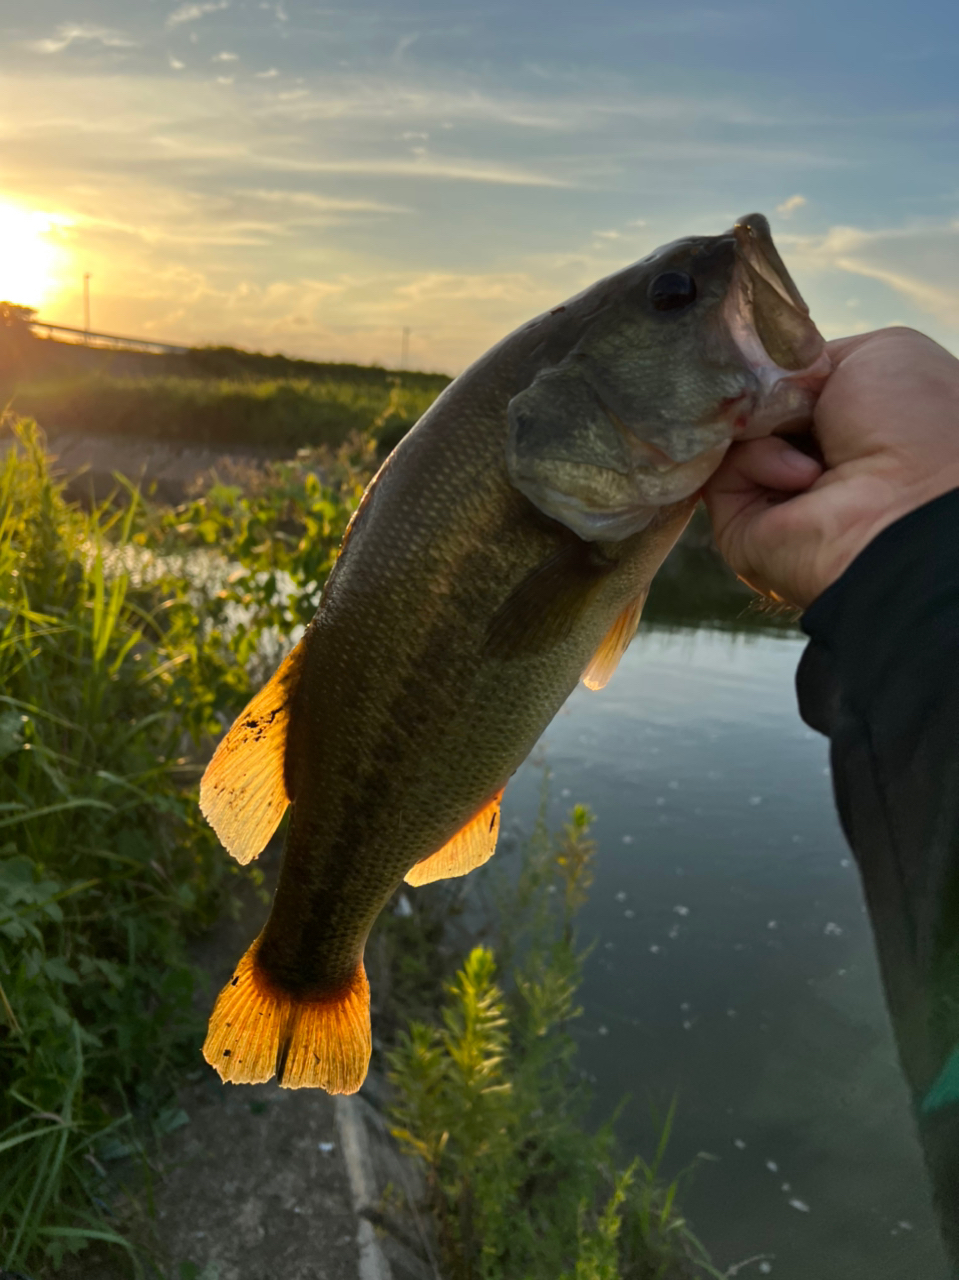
column 615, row 643
column 472, row 845
column 243, row 791
column 257, row 1031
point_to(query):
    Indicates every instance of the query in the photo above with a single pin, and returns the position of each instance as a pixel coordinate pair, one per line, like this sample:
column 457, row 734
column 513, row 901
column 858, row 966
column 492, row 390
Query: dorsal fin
column 242, row 793
column 615, row 643
column 472, row 845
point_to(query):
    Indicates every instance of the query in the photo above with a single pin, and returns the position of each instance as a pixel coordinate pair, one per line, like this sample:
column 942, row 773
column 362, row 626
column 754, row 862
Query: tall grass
column 105, row 866
column 277, row 415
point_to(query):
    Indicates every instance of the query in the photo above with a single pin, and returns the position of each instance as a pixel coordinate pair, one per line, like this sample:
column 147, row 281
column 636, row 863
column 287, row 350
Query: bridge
column 105, row 341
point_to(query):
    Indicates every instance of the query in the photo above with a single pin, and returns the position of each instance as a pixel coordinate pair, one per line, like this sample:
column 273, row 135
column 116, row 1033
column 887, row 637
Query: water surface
column 734, row 964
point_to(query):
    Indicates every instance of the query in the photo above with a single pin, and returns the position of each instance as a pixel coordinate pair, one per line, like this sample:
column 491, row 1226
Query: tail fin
column 257, row 1031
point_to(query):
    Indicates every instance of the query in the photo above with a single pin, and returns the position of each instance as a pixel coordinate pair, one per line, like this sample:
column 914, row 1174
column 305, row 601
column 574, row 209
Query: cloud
column 225, row 57
column 789, row 207
column 320, row 203
column 193, row 12
column 71, row 32
column 917, row 262
column 266, row 75
column 452, row 170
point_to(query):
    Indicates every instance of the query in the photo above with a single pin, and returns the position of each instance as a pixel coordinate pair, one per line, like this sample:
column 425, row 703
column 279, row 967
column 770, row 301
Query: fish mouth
column 770, row 326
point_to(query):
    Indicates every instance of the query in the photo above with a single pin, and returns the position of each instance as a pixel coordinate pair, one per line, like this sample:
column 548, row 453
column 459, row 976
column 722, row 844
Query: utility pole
column 405, row 350
column 86, row 307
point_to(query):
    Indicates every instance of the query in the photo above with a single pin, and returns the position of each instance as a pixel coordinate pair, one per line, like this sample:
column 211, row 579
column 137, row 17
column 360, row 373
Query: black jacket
column 880, row 677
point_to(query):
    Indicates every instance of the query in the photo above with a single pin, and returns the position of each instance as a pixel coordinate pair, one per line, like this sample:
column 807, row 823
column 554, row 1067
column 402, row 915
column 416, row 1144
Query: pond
column 733, row 964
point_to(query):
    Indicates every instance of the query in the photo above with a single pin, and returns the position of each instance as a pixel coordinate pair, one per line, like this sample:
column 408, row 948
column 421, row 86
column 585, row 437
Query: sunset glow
column 32, row 256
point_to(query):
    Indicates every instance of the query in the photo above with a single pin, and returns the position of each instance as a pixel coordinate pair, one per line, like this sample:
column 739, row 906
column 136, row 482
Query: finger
column 769, row 463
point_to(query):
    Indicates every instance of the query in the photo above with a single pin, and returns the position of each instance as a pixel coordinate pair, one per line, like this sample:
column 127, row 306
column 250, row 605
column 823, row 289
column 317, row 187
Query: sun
column 32, row 255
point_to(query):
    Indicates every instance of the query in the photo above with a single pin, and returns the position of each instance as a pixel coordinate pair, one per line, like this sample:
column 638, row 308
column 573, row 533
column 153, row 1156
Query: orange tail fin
column 257, row 1031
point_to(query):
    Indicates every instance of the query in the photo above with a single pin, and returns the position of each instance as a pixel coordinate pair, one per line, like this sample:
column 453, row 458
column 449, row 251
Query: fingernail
column 800, row 462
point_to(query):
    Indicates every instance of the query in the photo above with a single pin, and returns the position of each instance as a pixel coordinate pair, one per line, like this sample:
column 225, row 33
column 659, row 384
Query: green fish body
column 501, row 554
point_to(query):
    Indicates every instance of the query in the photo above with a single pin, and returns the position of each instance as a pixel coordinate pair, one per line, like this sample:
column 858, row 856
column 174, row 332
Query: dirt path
column 254, row 1185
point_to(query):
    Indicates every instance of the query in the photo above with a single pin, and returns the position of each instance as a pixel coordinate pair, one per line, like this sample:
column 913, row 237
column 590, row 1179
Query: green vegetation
column 127, row 634
column 212, row 396
column 111, row 665
column 490, row 1103
column 280, row 416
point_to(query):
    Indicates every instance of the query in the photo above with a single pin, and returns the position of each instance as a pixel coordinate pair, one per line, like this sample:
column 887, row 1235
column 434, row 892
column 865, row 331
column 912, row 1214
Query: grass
column 105, row 865
column 278, row 415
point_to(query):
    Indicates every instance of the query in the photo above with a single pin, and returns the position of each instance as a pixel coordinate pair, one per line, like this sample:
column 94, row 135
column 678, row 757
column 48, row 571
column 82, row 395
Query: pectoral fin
column 542, row 611
column 243, row 793
column 469, row 848
column 615, row 643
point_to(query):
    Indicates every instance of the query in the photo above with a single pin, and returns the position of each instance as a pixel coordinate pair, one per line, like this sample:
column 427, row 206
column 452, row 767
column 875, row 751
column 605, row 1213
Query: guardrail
column 105, row 341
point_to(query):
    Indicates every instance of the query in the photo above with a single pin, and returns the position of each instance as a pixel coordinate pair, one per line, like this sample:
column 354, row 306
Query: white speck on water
column 655, row 948
column 904, row 1226
column 608, row 946
column 687, row 1025
column 754, row 800
column 800, row 1205
column 841, row 972
column 604, row 1031
column 685, row 1006
column 327, row 1147
column 551, row 888
column 681, row 910
column 797, row 839
column 730, row 1013
column 673, row 786
column 845, row 862
column 621, row 896
column 786, row 1187
column 566, row 793
column 660, row 799
column 629, row 913
column 772, row 1166
column 627, row 839
column 832, row 930
column 738, row 1142
column 403, row 908
column 765, row 1268
column 772, row 924
column 674, row 931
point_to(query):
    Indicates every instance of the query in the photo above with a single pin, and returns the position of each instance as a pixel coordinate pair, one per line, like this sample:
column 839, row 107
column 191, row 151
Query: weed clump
column 491, row 1105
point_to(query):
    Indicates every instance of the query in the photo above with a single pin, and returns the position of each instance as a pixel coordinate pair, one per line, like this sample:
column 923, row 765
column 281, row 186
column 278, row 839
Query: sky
column 287, row 176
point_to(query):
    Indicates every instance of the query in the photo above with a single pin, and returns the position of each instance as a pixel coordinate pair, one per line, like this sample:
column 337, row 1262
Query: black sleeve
column 880, row 677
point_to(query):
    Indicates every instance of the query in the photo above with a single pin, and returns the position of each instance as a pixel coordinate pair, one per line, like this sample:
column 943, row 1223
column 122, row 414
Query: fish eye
column 671, row 291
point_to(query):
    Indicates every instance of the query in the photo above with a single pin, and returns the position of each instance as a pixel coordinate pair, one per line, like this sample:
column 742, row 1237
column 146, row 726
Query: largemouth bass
column 502, row 553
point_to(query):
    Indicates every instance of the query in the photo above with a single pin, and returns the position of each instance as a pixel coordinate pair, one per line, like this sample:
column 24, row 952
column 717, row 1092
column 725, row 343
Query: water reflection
column 734, row 963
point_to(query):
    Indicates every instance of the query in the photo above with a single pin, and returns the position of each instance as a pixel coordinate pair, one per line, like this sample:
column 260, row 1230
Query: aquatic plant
column 491, row 1104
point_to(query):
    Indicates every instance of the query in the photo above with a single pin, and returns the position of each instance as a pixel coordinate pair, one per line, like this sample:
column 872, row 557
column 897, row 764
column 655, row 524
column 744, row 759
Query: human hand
column 887, row 425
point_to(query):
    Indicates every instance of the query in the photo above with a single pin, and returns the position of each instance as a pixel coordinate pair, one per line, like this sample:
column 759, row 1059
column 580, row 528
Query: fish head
column 704, row 342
